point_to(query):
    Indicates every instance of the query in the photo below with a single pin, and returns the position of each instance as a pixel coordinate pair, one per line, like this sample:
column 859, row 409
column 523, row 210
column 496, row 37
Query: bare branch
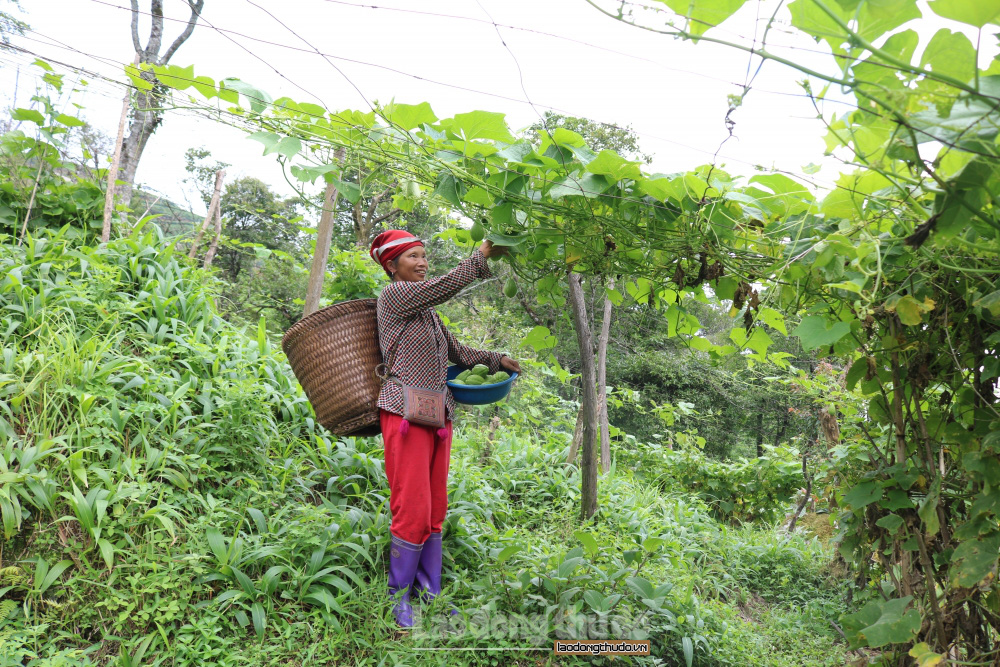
column 388, row 216
column 135, row 26
column 371, row 207
column 196, row 7
column 532, row 314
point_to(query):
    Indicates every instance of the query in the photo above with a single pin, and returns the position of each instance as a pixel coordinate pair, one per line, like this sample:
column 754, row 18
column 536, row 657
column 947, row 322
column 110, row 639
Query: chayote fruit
column 477, row 232
column 474, row 380
column 510, row 288
column 481, row 370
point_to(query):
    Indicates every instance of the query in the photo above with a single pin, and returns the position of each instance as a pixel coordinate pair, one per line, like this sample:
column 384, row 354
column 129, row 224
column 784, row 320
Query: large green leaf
column 286, row 146
column 259, row 100
column 539, row 338
column 809, row 18
column 951, row 54
column 881, row 623
column 973, row 12
column 409, row 116
column 990, row 302
column 814, row 332
column 862, row 495
column 878, row 17
column 588, row 185
column 349, row 191
column 175, row 76
column 704, row 14
column 972, row 123
column 482, row 125
column 609, row 163
column 448, row 188
column 28, row 114
column 974, row 559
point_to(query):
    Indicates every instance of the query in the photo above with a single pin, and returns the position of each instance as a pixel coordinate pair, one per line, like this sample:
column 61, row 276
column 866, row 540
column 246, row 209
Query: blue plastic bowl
column 479, row 394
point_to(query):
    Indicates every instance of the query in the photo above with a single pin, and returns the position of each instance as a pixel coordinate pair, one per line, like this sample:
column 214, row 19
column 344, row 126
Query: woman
column 419, row 347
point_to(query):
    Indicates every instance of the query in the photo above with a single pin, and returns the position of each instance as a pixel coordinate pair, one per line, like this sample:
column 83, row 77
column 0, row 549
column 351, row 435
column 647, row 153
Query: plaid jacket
column 406, row 314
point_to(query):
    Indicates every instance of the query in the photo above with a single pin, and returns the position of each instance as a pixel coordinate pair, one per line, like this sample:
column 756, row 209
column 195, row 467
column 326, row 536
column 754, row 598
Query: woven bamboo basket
column 333, row 353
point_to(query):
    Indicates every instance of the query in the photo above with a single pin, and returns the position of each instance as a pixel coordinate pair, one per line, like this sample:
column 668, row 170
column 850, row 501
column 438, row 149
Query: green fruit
column 510, row 288
column 457, row 381
column 490, row 379
column 501, row 376
column 464, row 374
column 474, row 380
column 477, row 232
column 480, row 370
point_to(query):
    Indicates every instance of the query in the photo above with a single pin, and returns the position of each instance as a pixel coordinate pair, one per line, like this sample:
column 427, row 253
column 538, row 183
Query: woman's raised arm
column 406, row 298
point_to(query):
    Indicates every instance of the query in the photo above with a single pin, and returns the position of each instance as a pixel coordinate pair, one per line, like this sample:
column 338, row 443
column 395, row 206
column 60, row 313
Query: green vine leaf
column 879, row 624
column 409, row 116
column 974, row 12
column 814, row 332
column 704, row 14
column 974, row 559
column 613, row 165
column 482, row 125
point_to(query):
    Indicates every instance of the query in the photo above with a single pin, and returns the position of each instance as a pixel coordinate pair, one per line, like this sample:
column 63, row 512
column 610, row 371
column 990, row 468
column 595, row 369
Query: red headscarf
column 391, row 244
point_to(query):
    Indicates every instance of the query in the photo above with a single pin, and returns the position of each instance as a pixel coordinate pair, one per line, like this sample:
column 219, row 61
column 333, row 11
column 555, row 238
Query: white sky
column 673, row 93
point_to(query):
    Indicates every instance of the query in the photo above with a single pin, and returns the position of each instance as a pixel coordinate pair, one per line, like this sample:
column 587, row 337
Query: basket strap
column 392, row 354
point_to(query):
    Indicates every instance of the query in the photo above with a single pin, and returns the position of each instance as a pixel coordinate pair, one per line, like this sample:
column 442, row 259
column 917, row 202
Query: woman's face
column 411, row 265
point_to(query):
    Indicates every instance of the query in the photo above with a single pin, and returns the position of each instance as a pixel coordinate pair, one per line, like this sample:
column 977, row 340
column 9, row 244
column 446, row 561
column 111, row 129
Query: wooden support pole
column 210, row 255
column 324, row 237
column 212, row 208
column 109, row 193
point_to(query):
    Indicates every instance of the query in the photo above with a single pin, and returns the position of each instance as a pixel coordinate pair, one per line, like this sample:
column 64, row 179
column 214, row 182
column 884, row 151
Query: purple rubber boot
column 428, row 578
column 404, row 558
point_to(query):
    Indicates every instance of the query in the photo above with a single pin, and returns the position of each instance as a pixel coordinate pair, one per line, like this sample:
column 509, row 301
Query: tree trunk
column 602, row 383
column 145, row 119
column 584, row 340
column 780, row 433
column 210, row 255
column 760, row 434
column 146, row 113
column 213, row 207
column 324, row 236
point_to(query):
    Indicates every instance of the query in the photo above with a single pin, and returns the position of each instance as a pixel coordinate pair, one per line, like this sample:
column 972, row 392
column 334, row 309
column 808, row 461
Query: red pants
column 417, row 467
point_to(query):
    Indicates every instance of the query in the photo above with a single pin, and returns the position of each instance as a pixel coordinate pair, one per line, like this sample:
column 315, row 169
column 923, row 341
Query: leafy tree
column 600, row 136
column 253, row 214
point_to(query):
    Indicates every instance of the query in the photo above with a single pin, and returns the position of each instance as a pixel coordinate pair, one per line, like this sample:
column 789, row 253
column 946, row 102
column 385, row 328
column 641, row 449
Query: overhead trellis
column 559, row 203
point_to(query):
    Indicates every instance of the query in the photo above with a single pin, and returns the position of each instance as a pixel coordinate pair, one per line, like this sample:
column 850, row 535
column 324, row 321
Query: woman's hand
column 490, row 250
column 510, row 364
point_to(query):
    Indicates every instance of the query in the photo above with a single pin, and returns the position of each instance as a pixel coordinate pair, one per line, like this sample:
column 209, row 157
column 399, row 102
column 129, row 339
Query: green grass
column 166, row 499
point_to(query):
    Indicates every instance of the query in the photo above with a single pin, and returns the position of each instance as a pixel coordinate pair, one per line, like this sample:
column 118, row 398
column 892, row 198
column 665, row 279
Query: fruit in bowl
column 477, row 386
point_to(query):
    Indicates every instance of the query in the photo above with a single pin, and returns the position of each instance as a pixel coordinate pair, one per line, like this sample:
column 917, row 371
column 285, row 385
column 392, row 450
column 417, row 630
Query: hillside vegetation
column 168, row 500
